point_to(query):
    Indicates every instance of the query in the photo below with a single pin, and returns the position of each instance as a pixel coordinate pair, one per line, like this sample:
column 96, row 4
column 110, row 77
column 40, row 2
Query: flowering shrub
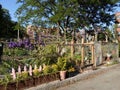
column 21, row 44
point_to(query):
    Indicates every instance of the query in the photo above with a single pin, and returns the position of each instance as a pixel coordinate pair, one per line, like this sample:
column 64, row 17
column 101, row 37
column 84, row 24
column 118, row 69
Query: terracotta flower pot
column 62, row 75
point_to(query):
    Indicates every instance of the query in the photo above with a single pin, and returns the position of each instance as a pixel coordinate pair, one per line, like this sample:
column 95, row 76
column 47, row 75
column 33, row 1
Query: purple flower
column 26, row 41
column 20, row 43
column 11, row 44
column 31, row 47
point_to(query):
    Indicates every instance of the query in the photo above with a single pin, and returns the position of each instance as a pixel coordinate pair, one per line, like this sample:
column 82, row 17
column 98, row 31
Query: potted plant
column 62, row 66
column 71, row 72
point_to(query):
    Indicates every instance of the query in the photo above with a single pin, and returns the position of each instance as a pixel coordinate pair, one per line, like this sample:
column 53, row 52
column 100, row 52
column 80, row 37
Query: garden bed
column 30, row 82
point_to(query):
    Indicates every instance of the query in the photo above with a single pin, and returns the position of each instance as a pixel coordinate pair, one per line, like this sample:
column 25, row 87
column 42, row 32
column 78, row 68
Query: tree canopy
column 77, row 13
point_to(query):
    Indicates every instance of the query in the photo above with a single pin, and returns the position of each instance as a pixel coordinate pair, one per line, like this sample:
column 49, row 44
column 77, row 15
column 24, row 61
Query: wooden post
column 82, row 51
column 92, row 48
column 93, row 60
column 72, row 48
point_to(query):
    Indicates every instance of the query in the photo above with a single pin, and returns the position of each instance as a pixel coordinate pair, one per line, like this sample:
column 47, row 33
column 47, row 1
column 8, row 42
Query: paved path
column 109, row 80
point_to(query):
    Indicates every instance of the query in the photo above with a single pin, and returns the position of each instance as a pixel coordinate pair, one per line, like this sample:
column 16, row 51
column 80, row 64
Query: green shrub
column 24, row 75
column 47, row 69
column 62, row 63
column 36, row 72
column 55, row 68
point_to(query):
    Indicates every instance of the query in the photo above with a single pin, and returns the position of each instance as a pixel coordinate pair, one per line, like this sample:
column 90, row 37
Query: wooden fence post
column 93, row 59
column 72, row 48
column 82, row 52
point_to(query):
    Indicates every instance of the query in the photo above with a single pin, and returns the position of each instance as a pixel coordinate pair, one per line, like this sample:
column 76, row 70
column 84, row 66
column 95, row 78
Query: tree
column 67, row 13
column 6, row 24
column 5, row 19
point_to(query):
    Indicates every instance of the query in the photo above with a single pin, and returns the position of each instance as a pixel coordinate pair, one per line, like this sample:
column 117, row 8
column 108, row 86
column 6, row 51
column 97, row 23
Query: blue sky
column 11, row 6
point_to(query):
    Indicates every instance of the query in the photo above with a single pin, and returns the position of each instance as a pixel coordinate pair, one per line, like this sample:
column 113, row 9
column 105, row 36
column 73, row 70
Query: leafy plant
column 55, row 67
column 20, row 52
column 8, row 78
column 46, row 55
column 2, row 81
column 19, row 76
column 36, row 72
column 24, row 75
column 62, row 63
column 77, row 58
column 47, row 69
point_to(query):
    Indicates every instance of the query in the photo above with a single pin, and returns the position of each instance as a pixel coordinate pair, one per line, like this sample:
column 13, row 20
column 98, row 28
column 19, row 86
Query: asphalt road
column 109, row 80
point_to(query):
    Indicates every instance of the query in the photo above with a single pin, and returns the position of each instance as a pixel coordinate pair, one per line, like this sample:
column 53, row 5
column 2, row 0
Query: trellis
column 82, row 49
column 95, row 50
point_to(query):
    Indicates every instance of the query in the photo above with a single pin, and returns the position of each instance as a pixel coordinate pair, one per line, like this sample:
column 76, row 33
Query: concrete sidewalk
column 84, row 76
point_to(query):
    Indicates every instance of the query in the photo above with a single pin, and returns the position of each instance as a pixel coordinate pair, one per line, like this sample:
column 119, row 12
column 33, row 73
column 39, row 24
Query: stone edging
column 56, row 84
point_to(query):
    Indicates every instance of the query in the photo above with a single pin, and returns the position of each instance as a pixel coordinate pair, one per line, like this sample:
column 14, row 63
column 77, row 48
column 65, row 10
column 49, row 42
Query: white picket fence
column 30, row 70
